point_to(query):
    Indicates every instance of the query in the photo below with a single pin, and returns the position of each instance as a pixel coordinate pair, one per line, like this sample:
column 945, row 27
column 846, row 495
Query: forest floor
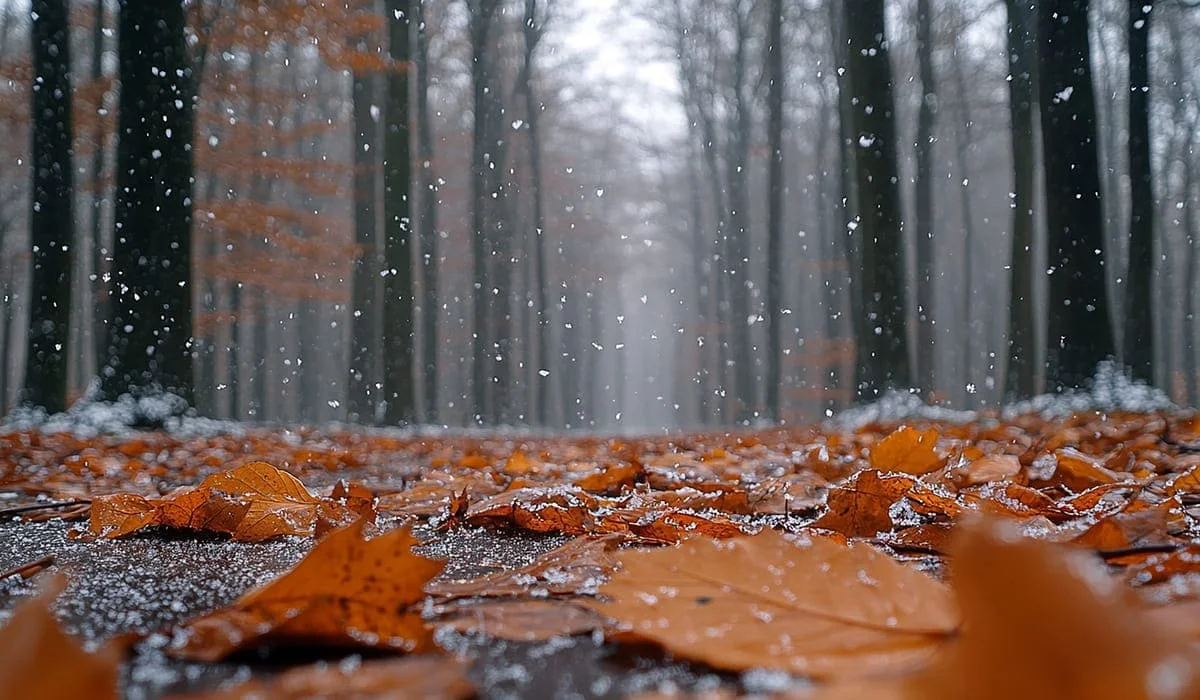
column 897, row 551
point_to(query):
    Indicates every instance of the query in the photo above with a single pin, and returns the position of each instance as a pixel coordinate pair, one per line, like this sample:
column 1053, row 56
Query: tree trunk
column 430, row 262
column 1022, row 102
column 882, row 351
column 398, row 286
column 737, row 262
column 361, row 391
column 774, row 301
column 1139, row 316
column 533, row 34
column 99, row 299
column 52, row 215
column 923, row 186
column 963, row 138
column 1079, row 333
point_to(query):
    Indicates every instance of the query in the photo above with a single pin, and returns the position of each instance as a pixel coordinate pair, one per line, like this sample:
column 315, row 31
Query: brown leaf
column 612, row 480
column 348, row 591
column 817, row 606
column 414, row 677
column 985, row 470
column 521, row 620
column 859, row 506
column 1040, row 622
column 38, row 661
column 1078, row 472
column 907, row 450
column 576, row 568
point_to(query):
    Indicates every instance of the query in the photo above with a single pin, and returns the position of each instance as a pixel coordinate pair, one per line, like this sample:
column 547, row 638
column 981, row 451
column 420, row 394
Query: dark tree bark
column 399, row 328
column 430, row 304
column 1020, row 377
column 923, row 186
column 361, row 392
column 481, row 13
column 99, row 260
column 774, row 301
column 532, row 34
column 151, row 330
column 882, row 350
column 1139, row 316
column 1079, row 334
column 52, row 215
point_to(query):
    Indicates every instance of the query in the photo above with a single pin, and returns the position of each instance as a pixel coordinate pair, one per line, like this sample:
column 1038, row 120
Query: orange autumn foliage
column 347, row 592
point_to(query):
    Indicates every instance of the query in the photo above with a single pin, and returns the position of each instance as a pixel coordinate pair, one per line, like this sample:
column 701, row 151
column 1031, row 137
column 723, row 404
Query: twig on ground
column 29, row 569
column 1107, row 554
column 18, row 510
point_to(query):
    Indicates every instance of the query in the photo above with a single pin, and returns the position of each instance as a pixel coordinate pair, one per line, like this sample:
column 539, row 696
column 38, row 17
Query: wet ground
column 148, row 583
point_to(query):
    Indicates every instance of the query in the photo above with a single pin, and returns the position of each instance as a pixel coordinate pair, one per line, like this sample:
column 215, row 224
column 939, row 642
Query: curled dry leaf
column 521, row 620
column 1040, row 621
column 254, row 502
column 577, row 567
column 38, row 661
column 347, row 592
column 415, row 677
column 907, row 450
column 817, row 606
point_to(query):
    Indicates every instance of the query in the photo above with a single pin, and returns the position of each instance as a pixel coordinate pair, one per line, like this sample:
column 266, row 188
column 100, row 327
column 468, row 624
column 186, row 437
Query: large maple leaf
column 818, row 606
column 348, row 592
column 38, row 661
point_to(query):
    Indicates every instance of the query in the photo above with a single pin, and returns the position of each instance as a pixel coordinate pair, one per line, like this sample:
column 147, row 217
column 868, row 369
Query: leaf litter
column 831, row 556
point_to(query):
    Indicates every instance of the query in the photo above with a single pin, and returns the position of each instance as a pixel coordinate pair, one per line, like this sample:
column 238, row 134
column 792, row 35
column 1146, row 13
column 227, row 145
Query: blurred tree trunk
column 774, row 301
column 842, row 242
column 361, row 387
column 480, row 15
column 1139, row 312
column 1184, row 122
column 399, row 328
column 151, row 328
column 1022, row 105
column 737, row 262
column 52, row 215
column 963, row 139
column 923, row 186
column 1079, row 332
column 99, row 262
column 533, row 34
column 430, row 301
column 882, row 359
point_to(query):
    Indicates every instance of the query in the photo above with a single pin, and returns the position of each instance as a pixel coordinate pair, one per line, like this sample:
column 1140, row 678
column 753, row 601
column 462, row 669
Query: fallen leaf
column 521, row 620
column 859, row 506
column 347, row 592
column 414, row 677
column 985, row 470
column 577, row 567
column 907, row 450
column 817, row 606
column 38, row 661
column 612, row 480
column 1040, row 621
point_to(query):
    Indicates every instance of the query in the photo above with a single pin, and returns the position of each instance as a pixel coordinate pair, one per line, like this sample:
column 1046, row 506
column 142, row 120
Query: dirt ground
column 148, row 583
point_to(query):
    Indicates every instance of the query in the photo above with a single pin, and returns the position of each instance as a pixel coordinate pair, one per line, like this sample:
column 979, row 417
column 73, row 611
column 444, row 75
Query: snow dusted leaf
column 817, row 606
column 347, row 592
column 859, row 507
column 38, row 661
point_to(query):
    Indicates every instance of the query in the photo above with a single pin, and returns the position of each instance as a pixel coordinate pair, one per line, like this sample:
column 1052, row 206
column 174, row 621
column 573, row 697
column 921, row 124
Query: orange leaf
column 348, row 591
column 38, row 661
column 817, row 606
column 1041, row 622
column 907, row 450
column 859, row 506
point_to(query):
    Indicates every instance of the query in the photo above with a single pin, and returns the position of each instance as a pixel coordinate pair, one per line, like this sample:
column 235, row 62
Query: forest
column 815, row 349
column 482, row 214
